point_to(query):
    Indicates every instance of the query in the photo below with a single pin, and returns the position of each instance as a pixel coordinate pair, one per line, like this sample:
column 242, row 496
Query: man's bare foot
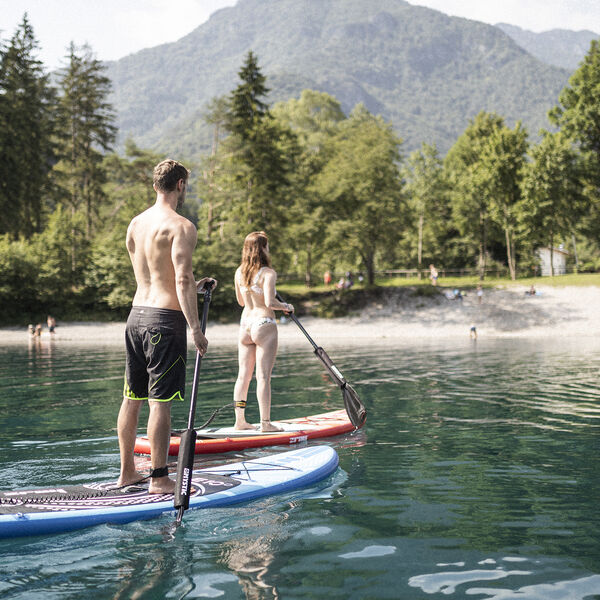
column 243, row 426
column 268, row 427
column 130, row 479
column 161, row 485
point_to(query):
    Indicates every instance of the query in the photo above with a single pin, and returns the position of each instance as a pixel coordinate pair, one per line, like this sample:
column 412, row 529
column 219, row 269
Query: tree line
column 333, row 191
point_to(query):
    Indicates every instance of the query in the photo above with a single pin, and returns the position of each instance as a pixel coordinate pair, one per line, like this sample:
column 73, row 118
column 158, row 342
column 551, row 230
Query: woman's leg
column 246, row 361
column 265, row 338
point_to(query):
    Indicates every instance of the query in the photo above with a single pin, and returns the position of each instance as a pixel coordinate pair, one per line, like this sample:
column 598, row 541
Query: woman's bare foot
column 161, row 485
column 243, row 426
column 268, row 427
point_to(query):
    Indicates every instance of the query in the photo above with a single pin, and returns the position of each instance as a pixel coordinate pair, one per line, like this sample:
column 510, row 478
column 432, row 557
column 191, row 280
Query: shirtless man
column 160, row 244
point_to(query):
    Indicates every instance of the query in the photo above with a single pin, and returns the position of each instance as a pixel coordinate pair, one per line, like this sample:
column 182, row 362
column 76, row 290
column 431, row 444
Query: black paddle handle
column 187, row 443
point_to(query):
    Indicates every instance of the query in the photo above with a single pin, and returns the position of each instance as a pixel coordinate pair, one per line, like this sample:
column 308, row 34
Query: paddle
column 187, row 445
column 357, row 413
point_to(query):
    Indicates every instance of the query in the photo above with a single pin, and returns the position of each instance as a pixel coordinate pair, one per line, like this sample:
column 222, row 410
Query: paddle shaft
column 295, row 319
column 321, row 354
column 355, row 409
column 185, row 460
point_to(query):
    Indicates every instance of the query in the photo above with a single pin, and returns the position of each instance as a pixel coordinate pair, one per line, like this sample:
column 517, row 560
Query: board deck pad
column 295, row 431
column 98, row 495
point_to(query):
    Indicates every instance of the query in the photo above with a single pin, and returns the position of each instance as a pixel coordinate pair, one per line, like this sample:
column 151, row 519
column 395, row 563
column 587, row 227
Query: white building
column 559, row 261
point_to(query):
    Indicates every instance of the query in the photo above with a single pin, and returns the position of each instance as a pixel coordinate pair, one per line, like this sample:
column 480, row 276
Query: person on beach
column 257, row 342
column 433, row 275
column 160, row 243
column 51, row 322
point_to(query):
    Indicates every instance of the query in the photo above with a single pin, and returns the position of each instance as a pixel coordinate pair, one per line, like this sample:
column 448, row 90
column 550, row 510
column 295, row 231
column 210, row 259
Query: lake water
column 476, row 476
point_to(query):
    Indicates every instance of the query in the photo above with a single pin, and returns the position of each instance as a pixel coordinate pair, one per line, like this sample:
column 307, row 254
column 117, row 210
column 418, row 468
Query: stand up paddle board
column 66, row 508
column 226, row 439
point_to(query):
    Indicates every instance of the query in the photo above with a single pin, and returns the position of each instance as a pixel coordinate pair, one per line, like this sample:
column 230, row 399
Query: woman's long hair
column 254, row 256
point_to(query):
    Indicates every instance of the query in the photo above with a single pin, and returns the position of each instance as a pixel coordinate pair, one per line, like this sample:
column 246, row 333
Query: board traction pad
column 103, row 495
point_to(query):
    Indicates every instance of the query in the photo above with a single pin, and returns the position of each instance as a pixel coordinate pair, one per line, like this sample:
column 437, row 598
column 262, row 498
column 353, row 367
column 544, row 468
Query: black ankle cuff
column 162, row 472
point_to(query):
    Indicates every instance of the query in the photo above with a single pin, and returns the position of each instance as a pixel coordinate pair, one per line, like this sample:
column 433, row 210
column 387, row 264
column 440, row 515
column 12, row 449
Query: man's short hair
column 167, row 173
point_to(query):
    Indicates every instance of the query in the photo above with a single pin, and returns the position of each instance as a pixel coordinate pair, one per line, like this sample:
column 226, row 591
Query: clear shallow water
column 476, row 477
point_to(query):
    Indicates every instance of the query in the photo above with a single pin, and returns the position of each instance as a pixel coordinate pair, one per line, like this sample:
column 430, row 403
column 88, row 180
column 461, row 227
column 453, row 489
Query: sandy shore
column 562, row 311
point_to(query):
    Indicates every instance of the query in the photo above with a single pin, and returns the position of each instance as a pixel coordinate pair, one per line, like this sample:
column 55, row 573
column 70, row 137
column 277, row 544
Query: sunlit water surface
column 476, row 476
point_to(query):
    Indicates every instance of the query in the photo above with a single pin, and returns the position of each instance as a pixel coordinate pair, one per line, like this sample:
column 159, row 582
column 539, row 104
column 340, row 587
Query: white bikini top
column 254, row 287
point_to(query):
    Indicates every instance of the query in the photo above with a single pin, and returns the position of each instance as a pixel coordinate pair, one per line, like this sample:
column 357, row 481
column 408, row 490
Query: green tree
column 553, row 192
column 314, row 118
column 213, row 191
column 469, row 186
column 86, row 131
column 501, row 164
column 362, row 184
column 427, row 192
column 26, row 129
column 578, row 117
column 578, row 111
column 263, row 155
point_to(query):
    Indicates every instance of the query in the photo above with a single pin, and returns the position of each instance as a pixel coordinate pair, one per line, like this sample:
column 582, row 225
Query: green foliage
column 314, row 118
column 262, row 155
column 86, row 129
column 578, row 116
column 27, row 125
column 18, row 278
column 361, row 185
column 469, row 182
column 553, row 190
column 427, row 191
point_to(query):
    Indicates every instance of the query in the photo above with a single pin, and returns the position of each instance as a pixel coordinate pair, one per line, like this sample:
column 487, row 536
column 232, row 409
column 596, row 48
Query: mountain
column 558, row 47
column 426, row 72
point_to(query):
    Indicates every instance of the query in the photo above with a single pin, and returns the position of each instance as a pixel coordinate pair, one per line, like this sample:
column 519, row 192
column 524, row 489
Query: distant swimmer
column 473, row 332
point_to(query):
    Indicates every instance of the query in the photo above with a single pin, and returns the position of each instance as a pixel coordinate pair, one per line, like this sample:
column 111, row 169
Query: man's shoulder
column 183, row 225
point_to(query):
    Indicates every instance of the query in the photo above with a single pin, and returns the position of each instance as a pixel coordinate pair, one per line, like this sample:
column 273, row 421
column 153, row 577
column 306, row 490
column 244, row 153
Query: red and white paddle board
column 225, row 439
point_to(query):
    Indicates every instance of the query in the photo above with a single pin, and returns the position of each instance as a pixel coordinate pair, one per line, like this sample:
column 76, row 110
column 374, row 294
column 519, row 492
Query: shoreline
column 503, row 313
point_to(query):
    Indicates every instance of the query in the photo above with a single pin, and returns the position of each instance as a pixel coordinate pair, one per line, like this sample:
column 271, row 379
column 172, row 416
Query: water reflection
column 474, row 477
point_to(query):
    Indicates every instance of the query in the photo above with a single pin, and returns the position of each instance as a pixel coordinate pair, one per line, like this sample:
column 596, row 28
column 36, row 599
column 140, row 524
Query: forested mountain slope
column 425, row 71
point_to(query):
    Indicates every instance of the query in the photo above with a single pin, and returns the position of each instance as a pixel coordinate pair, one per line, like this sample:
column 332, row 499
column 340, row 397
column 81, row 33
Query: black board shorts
column 156, row 348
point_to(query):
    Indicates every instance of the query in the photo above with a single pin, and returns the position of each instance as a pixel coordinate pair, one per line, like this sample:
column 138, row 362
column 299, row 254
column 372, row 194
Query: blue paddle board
column 66, row 508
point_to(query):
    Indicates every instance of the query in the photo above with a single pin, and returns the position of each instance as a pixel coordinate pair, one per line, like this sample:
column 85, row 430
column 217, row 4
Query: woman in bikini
column 257, row 342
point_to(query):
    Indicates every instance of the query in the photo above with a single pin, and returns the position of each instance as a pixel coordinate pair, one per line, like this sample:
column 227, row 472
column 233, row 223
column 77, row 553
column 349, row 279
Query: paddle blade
column 357, row 413
column 185, row 466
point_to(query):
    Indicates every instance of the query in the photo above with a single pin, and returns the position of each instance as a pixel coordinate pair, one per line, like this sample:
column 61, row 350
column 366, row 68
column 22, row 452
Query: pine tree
column 263, row 152
column 86, row 130
column 26, row 128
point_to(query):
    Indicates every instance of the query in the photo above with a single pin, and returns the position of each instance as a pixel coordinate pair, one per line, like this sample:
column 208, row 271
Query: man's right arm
column 184, row 242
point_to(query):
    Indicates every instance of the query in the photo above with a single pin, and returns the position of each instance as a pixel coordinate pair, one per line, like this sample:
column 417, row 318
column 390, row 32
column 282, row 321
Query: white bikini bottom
column 249, row 322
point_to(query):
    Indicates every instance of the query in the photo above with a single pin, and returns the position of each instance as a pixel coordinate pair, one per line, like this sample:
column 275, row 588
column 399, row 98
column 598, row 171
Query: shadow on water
column 475, row 476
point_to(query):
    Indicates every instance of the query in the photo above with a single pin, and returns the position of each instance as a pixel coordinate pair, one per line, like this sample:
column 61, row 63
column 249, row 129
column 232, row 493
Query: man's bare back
column 150, row 240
